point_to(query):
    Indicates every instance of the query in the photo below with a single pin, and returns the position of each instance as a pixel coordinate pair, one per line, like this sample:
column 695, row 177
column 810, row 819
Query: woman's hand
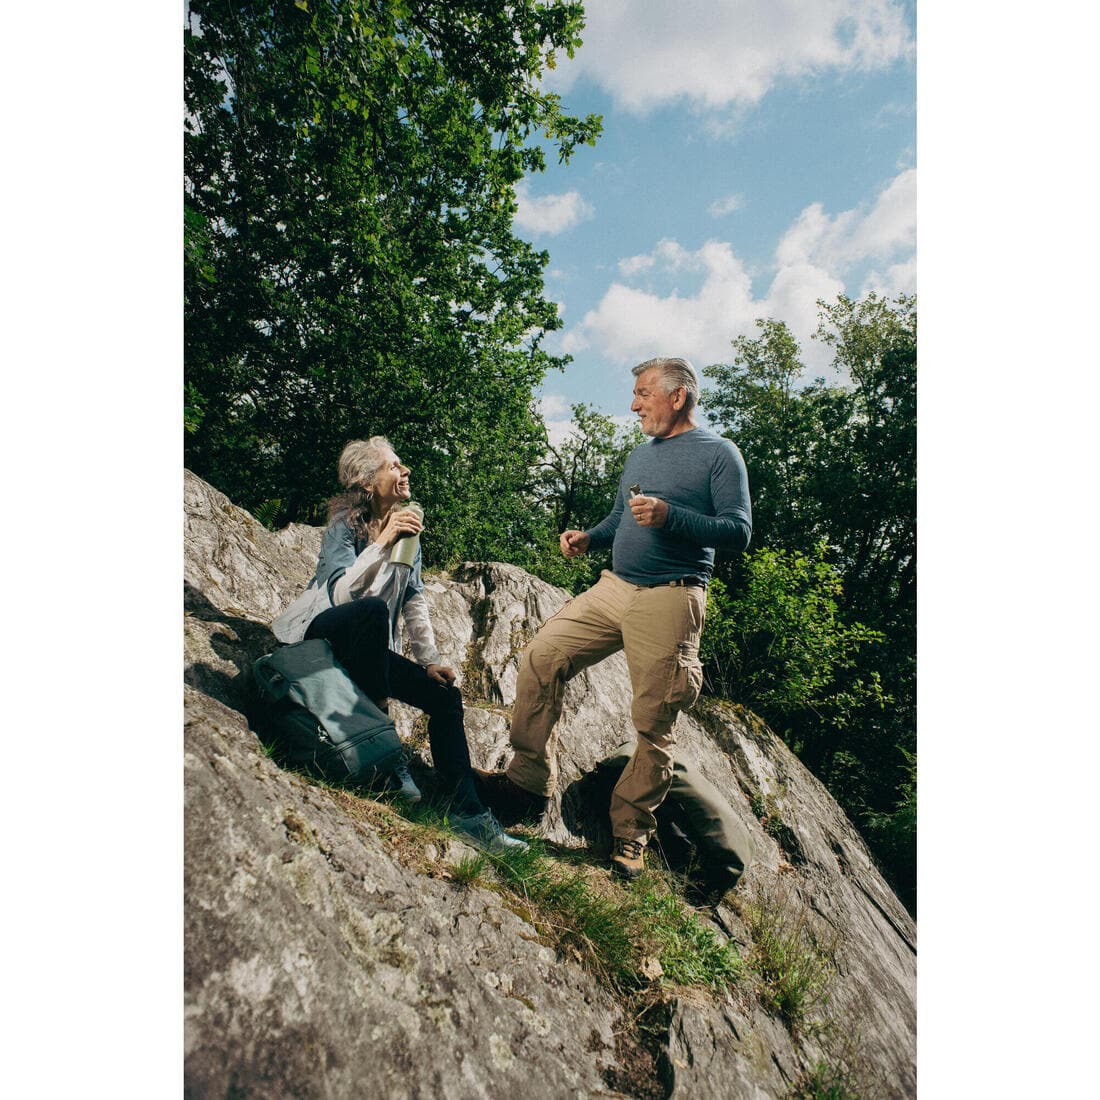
column 400, row 522
column 441, row 674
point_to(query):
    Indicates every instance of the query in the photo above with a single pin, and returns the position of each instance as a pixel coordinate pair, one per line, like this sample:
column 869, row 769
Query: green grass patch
column 689, row 953
column 469, row 869
column 791, row 958
column 618, row 932
column 825, row 1082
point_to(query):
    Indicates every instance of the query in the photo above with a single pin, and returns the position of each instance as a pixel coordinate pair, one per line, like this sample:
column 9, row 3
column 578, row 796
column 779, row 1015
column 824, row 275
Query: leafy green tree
column 350, row 266
column 577, row 479
column 834, row 462
column 894, row 833
column 838, row 463
column 875, row 344
column 574, row 486
column 777, row 643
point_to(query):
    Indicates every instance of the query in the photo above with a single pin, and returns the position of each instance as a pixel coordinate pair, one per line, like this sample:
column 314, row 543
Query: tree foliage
column 777, row 643
column 834, row 462
column 836, row 465
column 574, row 486
column 350, row 266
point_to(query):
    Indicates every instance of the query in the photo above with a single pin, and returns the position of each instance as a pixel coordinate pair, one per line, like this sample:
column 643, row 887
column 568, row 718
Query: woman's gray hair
column 675, row 372
column 361, row 460
column 360, row 463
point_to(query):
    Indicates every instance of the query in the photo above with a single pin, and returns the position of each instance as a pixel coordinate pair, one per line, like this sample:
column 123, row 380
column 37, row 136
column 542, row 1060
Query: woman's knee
column 372, row 607
column 369, row 619
column 449, row 703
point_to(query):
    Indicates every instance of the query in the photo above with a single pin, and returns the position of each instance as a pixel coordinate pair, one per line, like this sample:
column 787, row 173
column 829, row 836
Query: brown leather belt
column 683, row 582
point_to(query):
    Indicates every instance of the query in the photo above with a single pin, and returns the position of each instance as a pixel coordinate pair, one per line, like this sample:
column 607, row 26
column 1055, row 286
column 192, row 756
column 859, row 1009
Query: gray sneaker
column 483, row 831
column 400, row 780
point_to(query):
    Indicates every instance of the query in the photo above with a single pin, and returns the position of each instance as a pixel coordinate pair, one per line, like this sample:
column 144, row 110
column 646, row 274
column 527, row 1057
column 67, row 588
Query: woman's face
column 391, row 483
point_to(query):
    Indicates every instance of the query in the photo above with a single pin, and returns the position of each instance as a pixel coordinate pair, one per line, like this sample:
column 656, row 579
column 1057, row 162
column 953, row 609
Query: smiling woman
column 359, row 591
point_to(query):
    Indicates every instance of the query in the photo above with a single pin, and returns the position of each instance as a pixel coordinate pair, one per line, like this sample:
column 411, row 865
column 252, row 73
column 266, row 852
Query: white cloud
column 813, row 260
column 897, row 279
column 633, row 264
column 723, row 55
column 574, row 341
column 550, row 214
column 851, row 236
column 557, row 415
column 721, row 207
column 670, row 254
column 553, row 405
column 558, row 431
column 631, row 324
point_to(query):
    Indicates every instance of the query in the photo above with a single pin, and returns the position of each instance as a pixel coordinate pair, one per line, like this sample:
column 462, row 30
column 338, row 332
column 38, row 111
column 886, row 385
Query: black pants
column 359, row 633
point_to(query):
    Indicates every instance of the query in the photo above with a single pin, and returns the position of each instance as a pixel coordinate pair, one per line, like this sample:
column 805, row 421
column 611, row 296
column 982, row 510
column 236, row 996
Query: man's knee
column 542, row 667
column 655, row 720
column 651, row 765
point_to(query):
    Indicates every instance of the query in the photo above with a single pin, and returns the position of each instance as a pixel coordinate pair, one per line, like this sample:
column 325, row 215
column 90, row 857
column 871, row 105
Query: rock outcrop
column 320, row 963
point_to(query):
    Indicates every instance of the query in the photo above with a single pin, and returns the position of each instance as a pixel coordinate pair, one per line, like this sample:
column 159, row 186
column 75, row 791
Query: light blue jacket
column 399, row 585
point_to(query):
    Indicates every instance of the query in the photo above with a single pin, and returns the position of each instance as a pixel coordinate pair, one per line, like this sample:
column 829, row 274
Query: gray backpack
column 318, row 719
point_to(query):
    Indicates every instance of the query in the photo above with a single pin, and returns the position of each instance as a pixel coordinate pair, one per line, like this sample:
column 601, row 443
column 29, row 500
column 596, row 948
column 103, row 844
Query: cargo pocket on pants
column 687, row 677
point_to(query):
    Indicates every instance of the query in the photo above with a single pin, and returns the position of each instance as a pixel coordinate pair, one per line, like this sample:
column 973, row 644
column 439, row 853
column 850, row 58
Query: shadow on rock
column 584, row 809
column 238, row 642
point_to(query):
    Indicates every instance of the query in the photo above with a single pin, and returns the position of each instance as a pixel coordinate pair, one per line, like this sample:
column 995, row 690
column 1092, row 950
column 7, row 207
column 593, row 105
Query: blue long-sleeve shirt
column 704, row 481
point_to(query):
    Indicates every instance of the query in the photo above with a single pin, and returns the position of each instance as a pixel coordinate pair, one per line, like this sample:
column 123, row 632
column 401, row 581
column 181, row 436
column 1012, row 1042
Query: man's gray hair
column 675, row 372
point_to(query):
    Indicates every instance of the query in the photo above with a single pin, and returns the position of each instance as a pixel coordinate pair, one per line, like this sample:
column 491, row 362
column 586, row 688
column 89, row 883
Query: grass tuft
column 689, row 954
column 617, row 932
column 469, row 869
column 825, row 1082
column 793, row 961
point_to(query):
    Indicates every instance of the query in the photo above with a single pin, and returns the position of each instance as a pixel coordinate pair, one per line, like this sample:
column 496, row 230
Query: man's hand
column 441, row 674
column 649, row 511
column 574, row 543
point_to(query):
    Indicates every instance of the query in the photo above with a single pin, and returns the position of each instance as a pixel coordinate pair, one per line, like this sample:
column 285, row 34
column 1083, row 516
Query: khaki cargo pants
column 658, row 629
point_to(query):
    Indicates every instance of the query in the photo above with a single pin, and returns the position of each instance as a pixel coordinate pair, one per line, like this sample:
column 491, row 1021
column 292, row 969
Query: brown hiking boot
column 511, row 803
column 627, row 858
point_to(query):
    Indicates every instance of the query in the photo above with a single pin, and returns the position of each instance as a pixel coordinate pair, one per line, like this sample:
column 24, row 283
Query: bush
column 778, row 644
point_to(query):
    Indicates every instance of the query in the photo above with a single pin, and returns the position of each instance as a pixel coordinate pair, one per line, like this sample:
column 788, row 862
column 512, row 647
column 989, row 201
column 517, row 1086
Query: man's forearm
column 725, row 532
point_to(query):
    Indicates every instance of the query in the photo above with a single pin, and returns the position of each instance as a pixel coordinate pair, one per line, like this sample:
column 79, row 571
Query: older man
column 681, row 495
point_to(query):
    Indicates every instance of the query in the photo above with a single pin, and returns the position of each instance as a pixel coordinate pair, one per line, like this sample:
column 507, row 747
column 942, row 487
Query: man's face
column 660, row 413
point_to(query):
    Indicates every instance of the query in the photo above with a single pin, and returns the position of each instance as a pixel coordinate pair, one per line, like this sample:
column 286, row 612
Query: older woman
column 354, row 601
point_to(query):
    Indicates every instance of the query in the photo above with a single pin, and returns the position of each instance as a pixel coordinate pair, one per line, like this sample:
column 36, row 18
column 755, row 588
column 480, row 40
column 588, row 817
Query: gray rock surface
column 319, row 964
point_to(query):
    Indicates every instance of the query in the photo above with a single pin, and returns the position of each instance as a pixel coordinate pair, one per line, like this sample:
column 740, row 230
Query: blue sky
column 756, row 155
